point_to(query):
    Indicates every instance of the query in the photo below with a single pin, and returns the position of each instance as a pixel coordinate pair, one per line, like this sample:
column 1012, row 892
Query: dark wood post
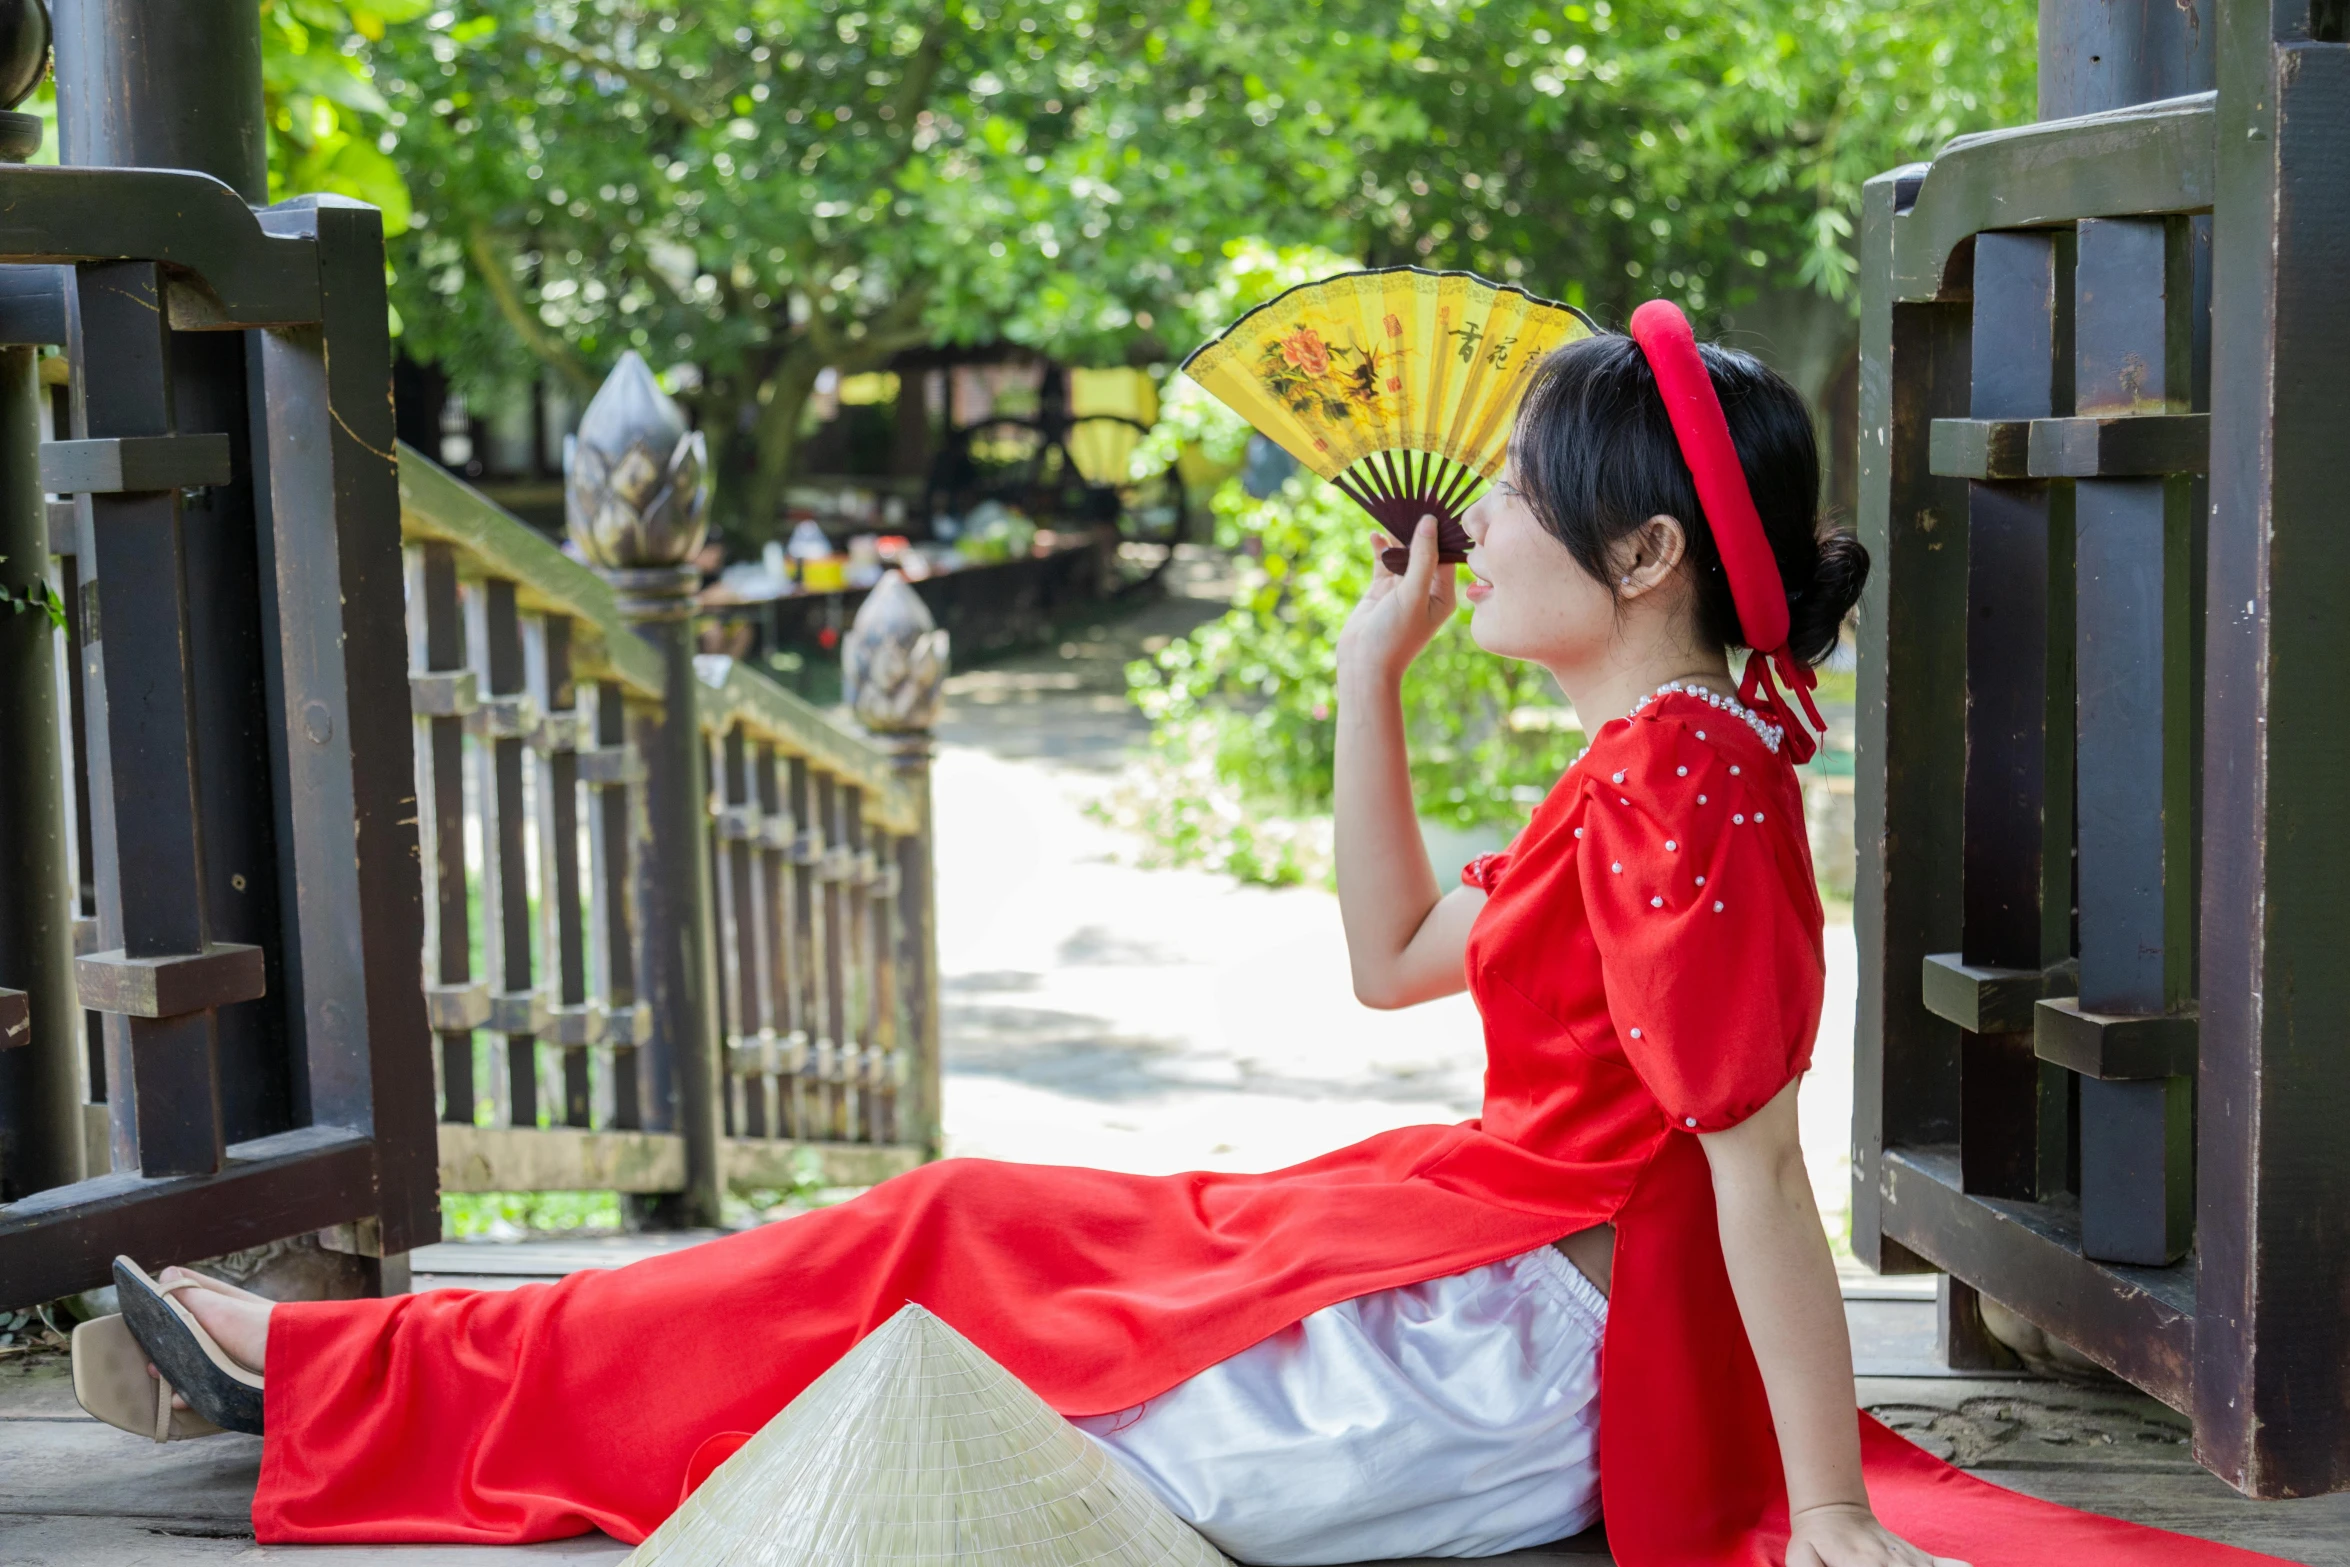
column 2272, row 1340
column 893, row 662
column 637, row 499
column 41, row 1039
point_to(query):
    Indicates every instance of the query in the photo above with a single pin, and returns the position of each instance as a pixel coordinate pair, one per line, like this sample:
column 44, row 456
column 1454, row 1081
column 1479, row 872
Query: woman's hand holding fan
column 1400, row 611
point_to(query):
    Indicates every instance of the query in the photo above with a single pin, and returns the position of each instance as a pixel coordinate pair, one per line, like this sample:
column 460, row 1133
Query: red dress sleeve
column 1485, row 869
column 1698, row 885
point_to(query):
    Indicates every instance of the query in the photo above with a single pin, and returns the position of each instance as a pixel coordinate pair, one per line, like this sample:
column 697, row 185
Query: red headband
column 1755, row 586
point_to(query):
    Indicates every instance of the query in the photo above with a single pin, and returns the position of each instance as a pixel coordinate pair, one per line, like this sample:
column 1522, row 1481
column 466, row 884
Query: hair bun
column 1815, row 617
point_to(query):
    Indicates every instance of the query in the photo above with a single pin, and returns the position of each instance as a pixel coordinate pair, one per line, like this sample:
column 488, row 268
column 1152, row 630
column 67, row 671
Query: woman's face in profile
column 1529, row 599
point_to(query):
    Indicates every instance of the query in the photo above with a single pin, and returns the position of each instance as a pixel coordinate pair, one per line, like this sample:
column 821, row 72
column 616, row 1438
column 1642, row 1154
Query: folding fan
column 1397, row 385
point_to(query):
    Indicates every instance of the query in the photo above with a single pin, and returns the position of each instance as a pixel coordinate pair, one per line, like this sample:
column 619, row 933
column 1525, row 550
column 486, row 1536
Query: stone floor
column 1151, row 1020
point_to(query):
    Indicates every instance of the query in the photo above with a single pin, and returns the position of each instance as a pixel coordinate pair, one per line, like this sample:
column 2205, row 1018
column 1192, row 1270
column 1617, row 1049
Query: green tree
column 1610, row 150
column 329, row 129
column 762, row 189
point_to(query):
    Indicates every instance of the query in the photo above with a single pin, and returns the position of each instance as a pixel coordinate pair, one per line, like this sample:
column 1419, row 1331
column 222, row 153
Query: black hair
column 1595, row 456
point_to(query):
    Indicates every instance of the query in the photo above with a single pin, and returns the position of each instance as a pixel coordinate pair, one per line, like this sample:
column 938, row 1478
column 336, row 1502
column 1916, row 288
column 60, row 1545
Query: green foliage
column 754, row 190
column 36, row 595
column 1610, row 149
column 471, row 1215
column 760, row 189
column 329, row 129
column 1254, row 694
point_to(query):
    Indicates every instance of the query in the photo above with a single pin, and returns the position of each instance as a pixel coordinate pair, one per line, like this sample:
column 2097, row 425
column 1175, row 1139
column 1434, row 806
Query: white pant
column 1459, row 1417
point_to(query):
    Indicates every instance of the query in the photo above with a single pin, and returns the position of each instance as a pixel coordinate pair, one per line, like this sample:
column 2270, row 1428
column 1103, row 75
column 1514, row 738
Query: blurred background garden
column 921, row 272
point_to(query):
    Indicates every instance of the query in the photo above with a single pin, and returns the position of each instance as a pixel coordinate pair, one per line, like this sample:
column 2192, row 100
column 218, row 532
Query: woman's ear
column 1649, row 555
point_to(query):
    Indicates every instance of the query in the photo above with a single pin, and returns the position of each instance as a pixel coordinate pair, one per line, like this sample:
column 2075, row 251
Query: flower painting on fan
column 1319, row 377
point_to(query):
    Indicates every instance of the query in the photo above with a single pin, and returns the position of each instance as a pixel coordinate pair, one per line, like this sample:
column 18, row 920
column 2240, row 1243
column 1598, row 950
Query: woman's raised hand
column 1397, row 616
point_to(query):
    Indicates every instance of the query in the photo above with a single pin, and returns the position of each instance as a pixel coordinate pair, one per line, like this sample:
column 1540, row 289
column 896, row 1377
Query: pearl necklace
column 1770, row 734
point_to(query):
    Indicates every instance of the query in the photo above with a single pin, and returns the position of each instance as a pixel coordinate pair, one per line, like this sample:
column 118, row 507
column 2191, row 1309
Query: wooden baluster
column 507, row 715
column 2137, row 546
column 441, row 694
column 840, row 1049
column 856, row 862
column 809, row 1046
column 721, row 932
column 612, row 771
column 776, row 830
column 573, row 1024
column 739, row 931
column 2017, row 877
column 881, row 945
column 64, row 540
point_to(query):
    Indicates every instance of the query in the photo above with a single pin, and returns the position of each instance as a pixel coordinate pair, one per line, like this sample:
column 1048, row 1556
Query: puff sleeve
column 1698, row 887
column 1483, row 871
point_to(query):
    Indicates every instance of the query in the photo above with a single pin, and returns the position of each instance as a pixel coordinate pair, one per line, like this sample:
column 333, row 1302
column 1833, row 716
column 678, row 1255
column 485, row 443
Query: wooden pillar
column 2272, row 1340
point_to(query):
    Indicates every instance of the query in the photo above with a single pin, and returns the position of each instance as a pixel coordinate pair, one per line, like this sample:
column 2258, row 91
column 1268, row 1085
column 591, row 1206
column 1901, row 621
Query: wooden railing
column 554, row 1070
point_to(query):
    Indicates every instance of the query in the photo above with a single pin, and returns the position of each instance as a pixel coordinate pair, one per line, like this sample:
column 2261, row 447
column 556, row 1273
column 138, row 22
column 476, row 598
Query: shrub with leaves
column 1249, row 702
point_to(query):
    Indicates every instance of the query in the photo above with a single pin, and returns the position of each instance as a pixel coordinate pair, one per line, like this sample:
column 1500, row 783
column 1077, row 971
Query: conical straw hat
column 916, row 1448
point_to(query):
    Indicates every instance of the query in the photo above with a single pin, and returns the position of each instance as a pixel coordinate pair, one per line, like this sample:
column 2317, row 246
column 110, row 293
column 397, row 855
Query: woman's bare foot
column 176, row 1275
column 237, row 1319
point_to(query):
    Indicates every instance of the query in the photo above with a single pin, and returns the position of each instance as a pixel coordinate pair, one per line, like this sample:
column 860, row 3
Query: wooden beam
column 2138, row 1323
column 1985, row 1000
column 565, row 1158
column 65, row 1239
column 2137, row 162
column 2124, row 1048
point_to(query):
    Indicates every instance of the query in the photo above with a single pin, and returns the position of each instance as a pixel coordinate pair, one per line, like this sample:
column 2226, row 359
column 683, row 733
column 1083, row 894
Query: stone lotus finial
column 638, row 492
column 894, row 660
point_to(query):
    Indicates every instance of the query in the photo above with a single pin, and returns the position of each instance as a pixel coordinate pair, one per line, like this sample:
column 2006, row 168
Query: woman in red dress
column 1647, row 960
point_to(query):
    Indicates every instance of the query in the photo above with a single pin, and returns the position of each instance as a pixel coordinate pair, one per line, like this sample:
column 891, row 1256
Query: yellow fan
column 1397, row 385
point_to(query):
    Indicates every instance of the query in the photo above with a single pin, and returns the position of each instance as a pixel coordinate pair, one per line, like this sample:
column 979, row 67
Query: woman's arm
column 1785, row 1281
column 1404, row 940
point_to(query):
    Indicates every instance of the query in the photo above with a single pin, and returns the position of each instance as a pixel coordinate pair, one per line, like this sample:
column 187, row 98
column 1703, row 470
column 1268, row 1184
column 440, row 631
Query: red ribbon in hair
column 1755, row 587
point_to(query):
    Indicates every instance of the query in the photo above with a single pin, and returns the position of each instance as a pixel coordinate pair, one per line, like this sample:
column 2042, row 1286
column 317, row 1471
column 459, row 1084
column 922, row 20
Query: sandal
column 214, row 1385
column 112, row 1382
